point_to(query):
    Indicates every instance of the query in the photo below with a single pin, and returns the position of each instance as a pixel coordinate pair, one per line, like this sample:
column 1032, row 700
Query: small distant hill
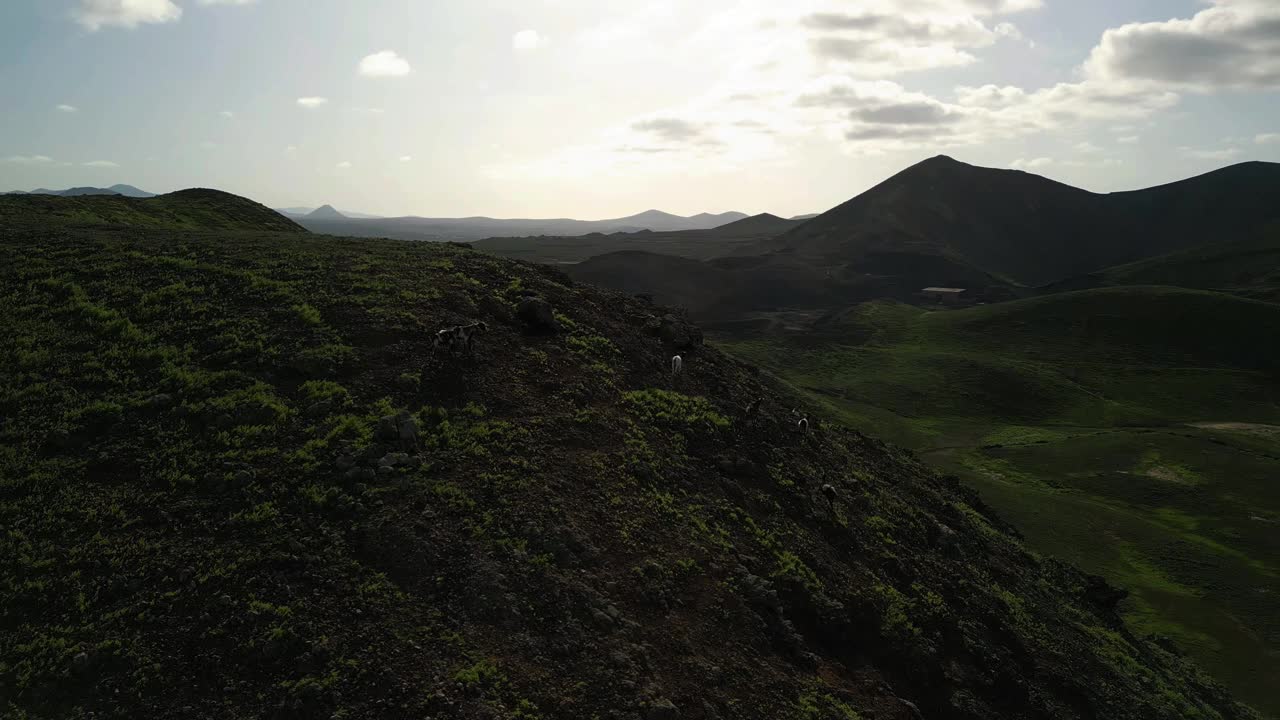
column 762, row 224
column 300, row 212
column 195, row 209
column 131, row 191
column 326, row 212
column 808, row 216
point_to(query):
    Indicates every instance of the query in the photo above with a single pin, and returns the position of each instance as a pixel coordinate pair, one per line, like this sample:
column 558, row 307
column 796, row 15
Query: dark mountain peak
column 943, row 161
column 764, row 224
column 653, row 215
column 326, row 212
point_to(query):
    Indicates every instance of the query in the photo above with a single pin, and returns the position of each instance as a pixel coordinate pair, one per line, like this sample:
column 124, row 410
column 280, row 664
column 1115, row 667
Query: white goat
column 677, row 364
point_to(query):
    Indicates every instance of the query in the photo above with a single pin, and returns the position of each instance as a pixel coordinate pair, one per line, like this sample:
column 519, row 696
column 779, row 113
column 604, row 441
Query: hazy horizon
column 570, row 108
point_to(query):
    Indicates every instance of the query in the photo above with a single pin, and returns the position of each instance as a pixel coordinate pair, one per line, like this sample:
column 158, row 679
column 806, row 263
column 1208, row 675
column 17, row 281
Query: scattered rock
column 911, row 708
column 407, row 427
column 679, row 334
column 662, row 709
column 601, row 620
column 387, row 430
column 1103, row 595
column 395, row 460
column 160, row 402
column 759, row 591
column 322, row 409
column 538, row 315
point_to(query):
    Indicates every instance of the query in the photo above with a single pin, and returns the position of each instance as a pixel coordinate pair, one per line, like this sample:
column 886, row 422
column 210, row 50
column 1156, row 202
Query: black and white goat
column 458, row 338
column 677, row 365
column 829, row 492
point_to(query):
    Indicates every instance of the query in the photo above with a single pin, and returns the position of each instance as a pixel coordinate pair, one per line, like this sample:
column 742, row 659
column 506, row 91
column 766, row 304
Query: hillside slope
column 195, row 209
column 235, row 484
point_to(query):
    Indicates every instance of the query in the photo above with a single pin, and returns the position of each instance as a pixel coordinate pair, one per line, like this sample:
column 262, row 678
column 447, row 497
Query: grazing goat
column 803, row 423
column 829, row 492
column 677, row 364
column 754, row 406
column 458, row 337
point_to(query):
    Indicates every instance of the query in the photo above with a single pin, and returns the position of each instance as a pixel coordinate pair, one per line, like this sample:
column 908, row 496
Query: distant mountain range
column 126, row 190
column 476, row 228
column 943, row 222
column 693, row 244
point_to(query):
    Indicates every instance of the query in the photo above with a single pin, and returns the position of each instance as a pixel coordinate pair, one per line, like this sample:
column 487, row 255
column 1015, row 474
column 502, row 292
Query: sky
column 602, row 108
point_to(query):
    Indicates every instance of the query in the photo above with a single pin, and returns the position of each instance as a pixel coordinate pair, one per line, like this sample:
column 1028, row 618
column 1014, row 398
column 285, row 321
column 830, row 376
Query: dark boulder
column 538, row 315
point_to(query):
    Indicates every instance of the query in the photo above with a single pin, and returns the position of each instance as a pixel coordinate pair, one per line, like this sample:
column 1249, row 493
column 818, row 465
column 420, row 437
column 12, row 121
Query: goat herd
column 461, row 339
column 457, row 339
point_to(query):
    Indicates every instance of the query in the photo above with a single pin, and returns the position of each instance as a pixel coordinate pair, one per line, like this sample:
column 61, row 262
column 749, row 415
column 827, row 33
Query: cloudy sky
column 600, row 108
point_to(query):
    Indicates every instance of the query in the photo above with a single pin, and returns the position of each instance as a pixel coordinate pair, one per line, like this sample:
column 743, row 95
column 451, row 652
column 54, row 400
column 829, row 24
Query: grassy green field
column 1132, row 431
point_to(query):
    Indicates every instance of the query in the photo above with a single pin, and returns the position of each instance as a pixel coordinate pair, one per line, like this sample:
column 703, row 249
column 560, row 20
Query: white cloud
column 1267, row 138
column 227, row 114
column 227, row 2
column 344, row 164
column 1205, row 154
column 370, row 111
column 406, row 158
column 1094, row 163
column 29, row 160
column 1233, row 45
column 68, row 108
column 312, row 102
column 291, row 149
column 1032, row 164
column 384, row 64
column 100, row 164
column 788, row 72
column 96, row 14
column 528, row 40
